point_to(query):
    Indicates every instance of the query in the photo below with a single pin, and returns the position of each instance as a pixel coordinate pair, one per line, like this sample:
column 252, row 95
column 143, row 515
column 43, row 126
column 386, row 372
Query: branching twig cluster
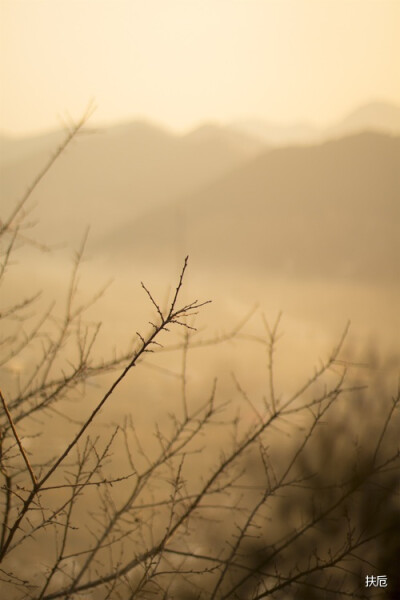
column 212, row 506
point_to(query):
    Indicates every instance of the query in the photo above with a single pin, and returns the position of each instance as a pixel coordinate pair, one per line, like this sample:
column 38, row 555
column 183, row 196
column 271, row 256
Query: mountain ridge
column 372, row 116
column 330, row 209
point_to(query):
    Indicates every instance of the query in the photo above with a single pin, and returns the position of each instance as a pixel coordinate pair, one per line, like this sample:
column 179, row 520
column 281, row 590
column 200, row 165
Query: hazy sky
column 179, row 62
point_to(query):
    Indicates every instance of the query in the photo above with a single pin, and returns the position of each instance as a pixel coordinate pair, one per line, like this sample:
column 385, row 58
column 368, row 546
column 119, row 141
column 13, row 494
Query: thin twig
column 18, row 440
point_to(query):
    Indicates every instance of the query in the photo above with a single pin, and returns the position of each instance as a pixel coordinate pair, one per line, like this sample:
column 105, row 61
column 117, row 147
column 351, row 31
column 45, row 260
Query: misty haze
column 292, row 233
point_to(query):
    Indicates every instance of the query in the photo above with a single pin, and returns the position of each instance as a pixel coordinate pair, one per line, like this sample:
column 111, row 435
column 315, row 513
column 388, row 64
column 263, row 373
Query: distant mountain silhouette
column 245, row 135
column 215, row 134
column 107, row 177
column 375, row 116
column 329, row 210
column 277, row 134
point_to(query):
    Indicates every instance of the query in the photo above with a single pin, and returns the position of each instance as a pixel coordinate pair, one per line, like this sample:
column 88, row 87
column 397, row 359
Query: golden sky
column 180, row 62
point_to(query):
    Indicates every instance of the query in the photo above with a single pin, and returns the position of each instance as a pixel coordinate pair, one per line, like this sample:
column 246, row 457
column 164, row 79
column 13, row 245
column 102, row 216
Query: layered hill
column 329, row 210
column 106, row 177
column 376, row 116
